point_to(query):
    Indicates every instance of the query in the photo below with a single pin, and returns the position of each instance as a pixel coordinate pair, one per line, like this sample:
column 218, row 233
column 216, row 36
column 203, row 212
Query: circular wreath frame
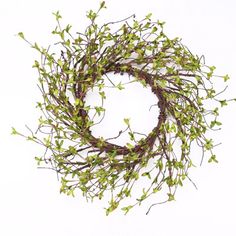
column 180, row 80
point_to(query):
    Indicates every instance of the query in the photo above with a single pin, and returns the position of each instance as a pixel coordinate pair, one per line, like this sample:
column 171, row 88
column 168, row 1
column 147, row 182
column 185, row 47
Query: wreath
column 180, row 80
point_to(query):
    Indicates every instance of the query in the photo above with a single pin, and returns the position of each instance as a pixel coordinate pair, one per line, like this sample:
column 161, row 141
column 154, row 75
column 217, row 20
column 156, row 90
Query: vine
column 180, row 80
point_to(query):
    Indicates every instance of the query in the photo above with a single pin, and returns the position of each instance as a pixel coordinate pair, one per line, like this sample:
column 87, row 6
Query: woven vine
column 180, row 80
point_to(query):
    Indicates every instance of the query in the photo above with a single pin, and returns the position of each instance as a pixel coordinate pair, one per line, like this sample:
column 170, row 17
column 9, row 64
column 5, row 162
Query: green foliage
column 126, row 120
column 180, row 80
column 13, row 131
column 57, row 15
column 21, row 34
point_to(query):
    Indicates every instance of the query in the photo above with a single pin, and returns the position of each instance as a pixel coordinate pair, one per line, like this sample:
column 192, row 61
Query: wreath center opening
column 126, row 112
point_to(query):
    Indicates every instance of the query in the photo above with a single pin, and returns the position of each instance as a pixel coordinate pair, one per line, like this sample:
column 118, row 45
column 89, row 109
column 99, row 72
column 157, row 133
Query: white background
column 30, row 203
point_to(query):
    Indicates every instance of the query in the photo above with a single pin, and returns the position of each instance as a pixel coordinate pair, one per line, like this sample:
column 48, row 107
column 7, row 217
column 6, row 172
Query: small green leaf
column 208, row 144
column 21, row 35
column 99, row 110
column 77, row 102
column 120, row 86
column 131, row 135
column 36, row 46
column 57, row 15
column 102, row 4
column 223, row 103
column 148, row 16
column 155, row 190
column 36, row 64
column 13, row 131
column 68, row 27
column 102, row 94
column 226, row 77
column 126, row 209
column 161, row 23
column 171, row 197
column 129, row 146
column 215, row 123
column 59, row 144
column 126, row 120
column 39, row 160
column 218, row 123
column 67, row 43
column 212, row 68
column 147, row 174
column 91, row 15
column 213, row 159
column 154, row 29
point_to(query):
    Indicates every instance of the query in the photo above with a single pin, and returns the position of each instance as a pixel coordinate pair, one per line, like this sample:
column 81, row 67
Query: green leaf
column 148, row 16
column 208, row 144
column 120, row 86
column 57, row 15
column 59, row 144
column 102, row 94
column 39, row 160
column 30, row 138
column 154, row 29
column 91, row 15
column 210, row 73
column 131, row 135
column 129, row 146
column 68, row 27
column 47, row 141
column 36, row 46
column 213, row 159
column 212, row 68
column 60, row 63
column 226, row 77
column 147, row 174
column 21, row 35
column 67, row 43
column 155, row 190
column 144, row 195
column 218, row 123
column 113, row 205
column 71, row 192
column 78, row 102
column 223, row 103
column 99, row 110
column 159, row 164
column 147, row 25
column 62, row 35
column 126, row 120
column 215, row 123
column 126, row 209
column 161, row 23
column 13, row 131
column 36, row 64
column 102, row 4
column 171, row 197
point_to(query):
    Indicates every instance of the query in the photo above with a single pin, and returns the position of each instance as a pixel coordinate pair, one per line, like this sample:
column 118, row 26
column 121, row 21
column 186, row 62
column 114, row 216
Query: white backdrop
column 30, row 203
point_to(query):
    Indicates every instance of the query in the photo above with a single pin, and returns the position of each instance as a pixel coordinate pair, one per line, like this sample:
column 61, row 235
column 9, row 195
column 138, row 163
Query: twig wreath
column 181, row 82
